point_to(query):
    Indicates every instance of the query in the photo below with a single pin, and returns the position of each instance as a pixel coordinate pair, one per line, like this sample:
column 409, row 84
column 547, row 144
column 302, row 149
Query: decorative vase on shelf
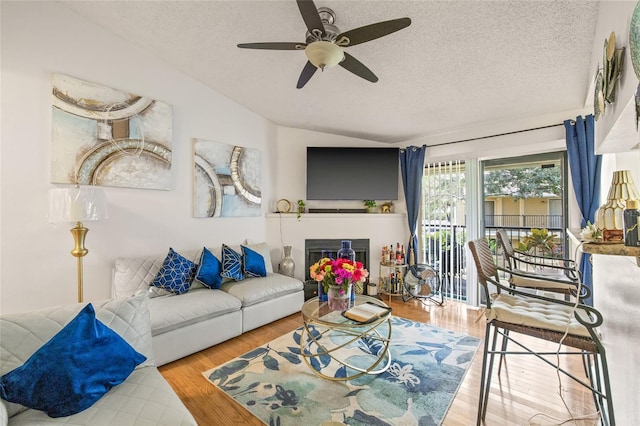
column 609, row 217
column 287, row 265
column 338, row 298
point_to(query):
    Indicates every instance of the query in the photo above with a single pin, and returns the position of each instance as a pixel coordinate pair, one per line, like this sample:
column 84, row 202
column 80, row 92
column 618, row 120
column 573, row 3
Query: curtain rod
column 499, row 134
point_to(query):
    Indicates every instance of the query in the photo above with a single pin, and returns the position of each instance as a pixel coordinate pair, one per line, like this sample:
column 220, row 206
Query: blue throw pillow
column 253, row 263
column 176, row 273
column 72, row 370
column 209, row 269
column 231, row 263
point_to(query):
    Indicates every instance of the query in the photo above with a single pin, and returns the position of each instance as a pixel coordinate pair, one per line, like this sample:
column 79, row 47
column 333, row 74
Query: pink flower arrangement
column 340, row 272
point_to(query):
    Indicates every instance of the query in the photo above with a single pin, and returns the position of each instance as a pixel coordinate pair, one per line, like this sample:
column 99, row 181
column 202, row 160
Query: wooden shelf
column 304, row 216
column 611, row 249
column 618, row 249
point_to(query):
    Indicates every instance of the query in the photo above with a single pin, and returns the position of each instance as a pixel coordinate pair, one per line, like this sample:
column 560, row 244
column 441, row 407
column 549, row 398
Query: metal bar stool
column 571, row 324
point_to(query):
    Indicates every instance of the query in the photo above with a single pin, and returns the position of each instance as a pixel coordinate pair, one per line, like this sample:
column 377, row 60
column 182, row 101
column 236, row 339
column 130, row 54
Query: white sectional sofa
column 182, row 324
column 144, row 398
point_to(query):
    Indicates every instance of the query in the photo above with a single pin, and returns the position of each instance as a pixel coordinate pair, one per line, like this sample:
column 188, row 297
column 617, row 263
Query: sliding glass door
column 443, row 230
column 518, row 194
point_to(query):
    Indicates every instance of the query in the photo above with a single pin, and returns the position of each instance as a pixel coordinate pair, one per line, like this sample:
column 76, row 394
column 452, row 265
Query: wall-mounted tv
column 335, row 173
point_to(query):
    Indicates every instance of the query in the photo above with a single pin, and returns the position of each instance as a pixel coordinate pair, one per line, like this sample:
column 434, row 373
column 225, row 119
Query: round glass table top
column 319, row 312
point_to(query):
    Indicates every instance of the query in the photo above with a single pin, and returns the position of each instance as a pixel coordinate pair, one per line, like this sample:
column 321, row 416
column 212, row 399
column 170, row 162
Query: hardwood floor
column 526, row 388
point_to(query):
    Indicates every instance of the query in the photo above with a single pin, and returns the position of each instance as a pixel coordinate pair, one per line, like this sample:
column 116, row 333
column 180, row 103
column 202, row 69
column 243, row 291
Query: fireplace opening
column 313, row 251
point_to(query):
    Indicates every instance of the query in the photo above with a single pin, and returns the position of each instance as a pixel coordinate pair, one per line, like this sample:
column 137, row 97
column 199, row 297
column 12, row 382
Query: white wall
column 615, row 16
column 290, row 175
column 290, row 183
column 41, row 38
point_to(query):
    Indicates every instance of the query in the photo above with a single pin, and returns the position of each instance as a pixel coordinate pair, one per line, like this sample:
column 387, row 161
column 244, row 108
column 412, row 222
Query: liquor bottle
column 631, row 221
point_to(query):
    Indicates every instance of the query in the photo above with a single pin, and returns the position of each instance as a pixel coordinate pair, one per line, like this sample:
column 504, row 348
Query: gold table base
column 311, row 347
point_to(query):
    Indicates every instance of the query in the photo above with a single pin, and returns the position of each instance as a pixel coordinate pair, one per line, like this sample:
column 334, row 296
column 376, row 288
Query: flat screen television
column 335, row 173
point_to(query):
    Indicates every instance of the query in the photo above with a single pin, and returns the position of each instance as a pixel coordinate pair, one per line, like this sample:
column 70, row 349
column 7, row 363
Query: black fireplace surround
column 313, row 251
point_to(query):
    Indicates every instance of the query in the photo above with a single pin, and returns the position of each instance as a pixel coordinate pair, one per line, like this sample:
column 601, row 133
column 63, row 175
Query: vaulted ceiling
column 479, row 66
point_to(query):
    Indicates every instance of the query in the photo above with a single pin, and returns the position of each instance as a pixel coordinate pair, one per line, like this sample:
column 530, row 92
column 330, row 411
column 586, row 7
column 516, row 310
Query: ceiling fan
column 325, row 43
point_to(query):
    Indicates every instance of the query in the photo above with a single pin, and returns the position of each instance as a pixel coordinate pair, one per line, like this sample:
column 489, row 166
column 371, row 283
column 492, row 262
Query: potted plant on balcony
column 539, row 243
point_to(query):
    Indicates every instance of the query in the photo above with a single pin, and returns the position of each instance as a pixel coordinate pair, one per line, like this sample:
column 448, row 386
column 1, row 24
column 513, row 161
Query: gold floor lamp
column 77, row 205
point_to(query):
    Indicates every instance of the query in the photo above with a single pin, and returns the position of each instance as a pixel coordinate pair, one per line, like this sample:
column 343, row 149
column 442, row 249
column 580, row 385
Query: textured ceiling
column 461, row 67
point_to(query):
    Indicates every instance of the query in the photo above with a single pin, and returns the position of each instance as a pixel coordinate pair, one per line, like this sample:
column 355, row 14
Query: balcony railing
column 524, row 221
column 443, row 245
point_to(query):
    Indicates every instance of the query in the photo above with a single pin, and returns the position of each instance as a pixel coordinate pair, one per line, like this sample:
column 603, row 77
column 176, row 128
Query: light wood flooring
column 526, row 388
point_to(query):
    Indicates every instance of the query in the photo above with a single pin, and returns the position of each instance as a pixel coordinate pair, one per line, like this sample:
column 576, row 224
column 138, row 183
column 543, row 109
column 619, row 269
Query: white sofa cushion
column 130, row 318
column 255, row 290
column 132, row 274
column 145, row 398
column 172, row 312
column 23, row 334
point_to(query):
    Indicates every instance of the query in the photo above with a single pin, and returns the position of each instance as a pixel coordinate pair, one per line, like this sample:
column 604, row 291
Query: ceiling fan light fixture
column 323, row 54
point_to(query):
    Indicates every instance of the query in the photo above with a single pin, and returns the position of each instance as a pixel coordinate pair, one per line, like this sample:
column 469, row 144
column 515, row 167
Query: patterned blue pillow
column 209, row 268
column 73, row 369
column 253, row 263
column 231, row 263
column 176, row 273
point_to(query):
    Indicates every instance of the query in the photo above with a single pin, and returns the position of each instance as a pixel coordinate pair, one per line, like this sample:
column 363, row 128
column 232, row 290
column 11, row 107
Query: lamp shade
column 324, row 54
column 77, row 204
column 609, row 216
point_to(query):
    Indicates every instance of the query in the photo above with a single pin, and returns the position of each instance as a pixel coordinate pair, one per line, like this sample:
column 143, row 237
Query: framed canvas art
column 226, row 180
column 108, row 137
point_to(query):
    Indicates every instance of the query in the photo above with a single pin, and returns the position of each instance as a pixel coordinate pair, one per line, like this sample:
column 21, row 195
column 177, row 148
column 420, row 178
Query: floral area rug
column 277, row 386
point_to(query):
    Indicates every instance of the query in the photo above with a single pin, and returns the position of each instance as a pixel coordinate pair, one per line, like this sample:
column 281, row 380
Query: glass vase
column 338, row 298
column 322, row 296
column 346, row 252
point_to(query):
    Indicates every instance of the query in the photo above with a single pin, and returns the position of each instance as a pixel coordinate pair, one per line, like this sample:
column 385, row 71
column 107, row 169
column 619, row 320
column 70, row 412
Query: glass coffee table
column 337, row 348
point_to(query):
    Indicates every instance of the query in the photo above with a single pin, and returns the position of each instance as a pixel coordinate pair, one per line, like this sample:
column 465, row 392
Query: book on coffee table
column 366, row 312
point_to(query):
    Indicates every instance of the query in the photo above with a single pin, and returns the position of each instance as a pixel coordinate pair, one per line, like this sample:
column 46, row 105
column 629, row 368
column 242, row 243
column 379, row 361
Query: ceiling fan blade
column 355, row 66
column 273, row 46
column 372, row 32
column 311, row 16
column 306, row 74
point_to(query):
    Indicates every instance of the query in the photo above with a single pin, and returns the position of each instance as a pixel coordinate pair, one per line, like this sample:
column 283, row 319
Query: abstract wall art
column 108, row 137
column 226, row 180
